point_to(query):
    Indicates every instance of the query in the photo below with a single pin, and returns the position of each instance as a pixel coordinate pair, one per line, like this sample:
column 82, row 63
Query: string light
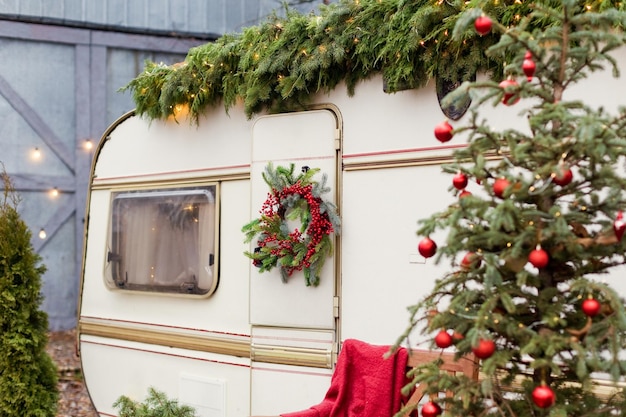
column 88, row 145
column 42, row 234
column 54, row 192
column 36, row 154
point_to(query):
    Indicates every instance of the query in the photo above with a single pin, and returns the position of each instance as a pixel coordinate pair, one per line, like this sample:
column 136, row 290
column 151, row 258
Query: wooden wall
column 58, row 89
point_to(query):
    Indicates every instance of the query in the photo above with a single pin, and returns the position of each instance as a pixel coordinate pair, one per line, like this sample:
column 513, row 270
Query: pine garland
column 280, row 63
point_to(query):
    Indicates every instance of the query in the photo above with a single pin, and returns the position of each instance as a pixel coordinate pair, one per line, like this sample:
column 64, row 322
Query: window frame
column 161, row 190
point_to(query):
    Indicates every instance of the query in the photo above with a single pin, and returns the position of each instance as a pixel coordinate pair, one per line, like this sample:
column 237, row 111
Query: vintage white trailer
column 211, row 330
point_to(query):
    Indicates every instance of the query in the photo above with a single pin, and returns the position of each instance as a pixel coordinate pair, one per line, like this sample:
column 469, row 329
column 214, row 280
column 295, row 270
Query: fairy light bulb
column 42, row 234
column 36, row 154
column 88, row 145
column 54, row 192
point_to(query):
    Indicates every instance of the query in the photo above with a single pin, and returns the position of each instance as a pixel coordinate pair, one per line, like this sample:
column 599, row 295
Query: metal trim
column 131, row 332
column 287, row 355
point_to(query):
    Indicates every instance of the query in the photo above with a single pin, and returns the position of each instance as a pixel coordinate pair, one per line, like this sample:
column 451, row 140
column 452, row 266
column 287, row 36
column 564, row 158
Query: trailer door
column 293, row 326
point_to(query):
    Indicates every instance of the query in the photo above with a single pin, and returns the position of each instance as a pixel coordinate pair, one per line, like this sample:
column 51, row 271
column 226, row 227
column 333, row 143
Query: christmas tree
column 523, row 296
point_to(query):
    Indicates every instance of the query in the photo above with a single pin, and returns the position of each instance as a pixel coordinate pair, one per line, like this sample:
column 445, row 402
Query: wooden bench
column 467, row 365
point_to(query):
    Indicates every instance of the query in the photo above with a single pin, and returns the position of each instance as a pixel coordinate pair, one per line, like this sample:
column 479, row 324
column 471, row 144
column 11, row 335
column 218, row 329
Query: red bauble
column 499, row 186
column 484, row 349
column 443, row 131
column 563, row 176
column 431, row 409
column 457, row 336
column 427, row 247
column 509, row 84
column 538, row 258
column 482, row 24
column 529, row 66
column 591, row 307
column 459, row 181
column 470, row 261
column 619, row 226
column 543, row 396
column 464, row 193
column 443, row 339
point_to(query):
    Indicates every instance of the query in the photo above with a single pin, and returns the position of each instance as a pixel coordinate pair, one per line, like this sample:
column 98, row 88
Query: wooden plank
column 197, row 12
column 53, row 8
column 142, row 42
column 43, row 183
column 137, row 13
column 73, row 10
column 44, row 33
column 215, row 17
column 117, row 12
column 36, row 123
column 98, row 89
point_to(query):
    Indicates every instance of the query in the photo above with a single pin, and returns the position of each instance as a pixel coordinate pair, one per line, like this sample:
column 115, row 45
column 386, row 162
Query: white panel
column 305, row 139
column 379, row 280
column 114, row 368
column 206, row 395
column 280, row 389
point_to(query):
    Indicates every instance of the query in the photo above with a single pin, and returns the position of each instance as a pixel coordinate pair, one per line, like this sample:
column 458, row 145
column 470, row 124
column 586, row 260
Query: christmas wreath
column 292, row 199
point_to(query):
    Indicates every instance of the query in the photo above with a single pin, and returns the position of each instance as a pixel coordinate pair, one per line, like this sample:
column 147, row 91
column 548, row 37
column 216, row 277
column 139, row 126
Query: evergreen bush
column 156, row 405
column 28, row 378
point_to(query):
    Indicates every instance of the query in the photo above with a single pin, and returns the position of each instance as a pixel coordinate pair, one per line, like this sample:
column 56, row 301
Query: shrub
column 28, row 378
column 156, row 405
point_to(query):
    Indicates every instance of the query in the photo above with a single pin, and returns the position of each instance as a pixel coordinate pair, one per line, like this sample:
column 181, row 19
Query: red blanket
column 364, row 383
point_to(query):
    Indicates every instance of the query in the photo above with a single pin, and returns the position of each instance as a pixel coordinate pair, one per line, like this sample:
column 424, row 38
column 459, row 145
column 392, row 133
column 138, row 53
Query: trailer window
column 164, row 240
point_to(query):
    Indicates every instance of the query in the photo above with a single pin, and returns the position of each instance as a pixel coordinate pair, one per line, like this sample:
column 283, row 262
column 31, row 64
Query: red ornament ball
column 484, row 349
column 470, row 261
column 431, row 409
column 482, row 24
column 443, row 339
column 457, row 336
column 543, row 396
column 591, row 307
column 509, row 85
column 538, row 258
column 443, row 131
column 563, row 177
column 499, row 186
column 529, row 67
column 459, row 181
column 427, row 247
column 464, row 193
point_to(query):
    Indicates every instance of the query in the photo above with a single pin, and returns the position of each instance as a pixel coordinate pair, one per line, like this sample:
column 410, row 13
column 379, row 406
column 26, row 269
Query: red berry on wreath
column 431, row 409
column 563, row 176
column 510, row 91
column 443, row 131
column 459, row 181
column 427, row 247
column 538, row 257
column 543, row 396
column 591, row 307
column 443, row 339
column 484, row 349
column 499, row 186
column 482, row 24
column 619, row 226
